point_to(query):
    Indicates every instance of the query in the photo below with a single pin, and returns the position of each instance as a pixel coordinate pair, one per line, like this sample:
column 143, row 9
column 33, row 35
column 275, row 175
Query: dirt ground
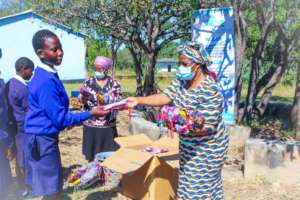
column 235, row 187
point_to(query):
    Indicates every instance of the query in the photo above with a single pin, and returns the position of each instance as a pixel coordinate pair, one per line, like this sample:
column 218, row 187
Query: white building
column 16, row 32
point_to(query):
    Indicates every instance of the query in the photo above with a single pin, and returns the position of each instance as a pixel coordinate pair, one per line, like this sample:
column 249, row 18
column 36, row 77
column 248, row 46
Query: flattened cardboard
column 126, row 160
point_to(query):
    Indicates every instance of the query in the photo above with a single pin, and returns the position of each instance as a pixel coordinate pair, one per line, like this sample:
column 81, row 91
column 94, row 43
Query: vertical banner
column 214, row 28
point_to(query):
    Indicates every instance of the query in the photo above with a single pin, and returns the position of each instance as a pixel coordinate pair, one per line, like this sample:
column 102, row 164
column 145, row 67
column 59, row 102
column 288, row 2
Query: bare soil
column 235, row 187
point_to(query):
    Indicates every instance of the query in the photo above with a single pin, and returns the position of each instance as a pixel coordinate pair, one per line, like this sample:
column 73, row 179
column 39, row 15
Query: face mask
column 185, row 73
column 100, row 75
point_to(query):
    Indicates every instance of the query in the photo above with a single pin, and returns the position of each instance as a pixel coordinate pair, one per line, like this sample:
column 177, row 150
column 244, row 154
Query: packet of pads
column 116, row 106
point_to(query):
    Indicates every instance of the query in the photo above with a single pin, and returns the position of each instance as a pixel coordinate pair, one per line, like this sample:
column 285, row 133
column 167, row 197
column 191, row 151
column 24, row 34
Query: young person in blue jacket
column 6, row 143
column 18, row 102
column 48, row 115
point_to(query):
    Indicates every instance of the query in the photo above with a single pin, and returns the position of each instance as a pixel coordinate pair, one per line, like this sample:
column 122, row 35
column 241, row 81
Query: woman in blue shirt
column 48, row 115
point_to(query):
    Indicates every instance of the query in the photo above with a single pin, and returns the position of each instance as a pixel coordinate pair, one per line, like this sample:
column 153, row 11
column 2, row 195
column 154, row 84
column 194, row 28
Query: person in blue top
column 47, row 115
column 5, row 148
column 18, row 104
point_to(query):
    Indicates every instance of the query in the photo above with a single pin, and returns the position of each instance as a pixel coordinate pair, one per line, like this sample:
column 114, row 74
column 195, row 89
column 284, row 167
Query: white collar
column 19, row 78
column 47, row 68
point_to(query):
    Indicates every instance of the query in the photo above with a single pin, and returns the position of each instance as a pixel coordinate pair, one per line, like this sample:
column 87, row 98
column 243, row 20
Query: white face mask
column 185, row 73
column 99, row 75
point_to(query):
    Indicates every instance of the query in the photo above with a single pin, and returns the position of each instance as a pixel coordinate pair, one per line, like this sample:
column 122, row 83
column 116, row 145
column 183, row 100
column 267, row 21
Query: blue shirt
column 48, row 105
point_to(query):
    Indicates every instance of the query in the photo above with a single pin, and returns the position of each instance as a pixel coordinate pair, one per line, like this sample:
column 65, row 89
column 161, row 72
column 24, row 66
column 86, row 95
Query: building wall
column 16, row 41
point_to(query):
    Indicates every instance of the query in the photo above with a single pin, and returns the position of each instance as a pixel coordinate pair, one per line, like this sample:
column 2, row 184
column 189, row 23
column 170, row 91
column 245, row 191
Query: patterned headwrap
column 105, row 62
column 196, row 53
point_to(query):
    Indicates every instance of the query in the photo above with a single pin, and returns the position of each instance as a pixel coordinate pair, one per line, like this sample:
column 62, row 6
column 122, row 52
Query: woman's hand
column 132, row 102
column 98, row 111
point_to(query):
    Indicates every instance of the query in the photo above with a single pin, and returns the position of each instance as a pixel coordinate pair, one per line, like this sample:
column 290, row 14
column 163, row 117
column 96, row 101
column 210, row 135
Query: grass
column 128, row 85
column 281, row 92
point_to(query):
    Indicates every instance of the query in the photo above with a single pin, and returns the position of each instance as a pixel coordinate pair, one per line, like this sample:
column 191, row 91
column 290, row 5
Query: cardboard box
column 146, row 176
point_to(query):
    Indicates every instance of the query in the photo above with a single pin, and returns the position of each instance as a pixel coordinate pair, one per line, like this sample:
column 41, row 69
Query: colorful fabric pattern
column 202, row 155
column 110, row 93
column 196, row 53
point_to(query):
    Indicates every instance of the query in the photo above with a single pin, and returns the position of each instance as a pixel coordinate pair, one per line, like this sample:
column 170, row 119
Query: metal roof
column 30, row 14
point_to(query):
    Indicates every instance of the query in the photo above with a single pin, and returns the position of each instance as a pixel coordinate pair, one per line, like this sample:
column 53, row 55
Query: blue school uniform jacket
column 48, row 105
column 17, row 97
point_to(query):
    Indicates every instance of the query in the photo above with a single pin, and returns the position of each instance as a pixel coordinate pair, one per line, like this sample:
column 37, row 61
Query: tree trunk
column 255, row 65
column 266, row 22
column 115, row 45
column 240, row 42
column 295, row 114
column 149, row 87
column 262, row 106
column 273, row 76
column 114, row 62
column 137, row 59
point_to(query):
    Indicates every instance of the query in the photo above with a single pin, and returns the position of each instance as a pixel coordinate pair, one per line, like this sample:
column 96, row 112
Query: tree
column 295, row 114
column 265, row 19
column 288, row 33
column 149, row 25
column 240, row 43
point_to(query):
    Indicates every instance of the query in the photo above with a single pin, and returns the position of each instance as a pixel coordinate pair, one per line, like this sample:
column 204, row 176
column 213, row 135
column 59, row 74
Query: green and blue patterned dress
column 202, row 155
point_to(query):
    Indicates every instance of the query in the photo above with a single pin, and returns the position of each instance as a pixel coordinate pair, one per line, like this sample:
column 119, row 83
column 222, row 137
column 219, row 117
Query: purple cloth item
column 105, row 62
column 116, row 106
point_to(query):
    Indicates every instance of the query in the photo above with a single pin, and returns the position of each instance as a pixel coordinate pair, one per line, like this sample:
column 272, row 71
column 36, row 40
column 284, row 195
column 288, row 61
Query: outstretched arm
column 153, row 100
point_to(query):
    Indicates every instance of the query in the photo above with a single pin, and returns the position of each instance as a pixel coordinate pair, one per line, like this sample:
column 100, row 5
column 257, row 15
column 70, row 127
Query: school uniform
column 46, row 117
column 17, row 98
column 5, row 143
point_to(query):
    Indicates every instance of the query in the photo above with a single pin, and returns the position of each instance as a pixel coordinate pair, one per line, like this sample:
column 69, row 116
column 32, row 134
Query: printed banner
column 214, row 28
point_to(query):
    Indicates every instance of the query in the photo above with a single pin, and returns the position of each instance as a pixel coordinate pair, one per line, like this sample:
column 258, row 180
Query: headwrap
column 196, row 53
column 105, row 62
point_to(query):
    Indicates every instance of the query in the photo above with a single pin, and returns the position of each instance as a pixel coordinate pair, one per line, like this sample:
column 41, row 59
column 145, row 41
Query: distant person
column 47, row 115
column 5, row 148
column 100, row 89
column 1, row 80
column 17, row 98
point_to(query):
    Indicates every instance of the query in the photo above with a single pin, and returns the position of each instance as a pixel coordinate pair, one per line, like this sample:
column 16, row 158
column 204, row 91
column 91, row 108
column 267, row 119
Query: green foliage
column 169, row 51
column 96, row 48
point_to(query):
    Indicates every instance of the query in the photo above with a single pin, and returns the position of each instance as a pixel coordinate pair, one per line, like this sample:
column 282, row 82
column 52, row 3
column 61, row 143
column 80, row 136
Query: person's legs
column 5, row 174
column 88, row 141
column 20, row 164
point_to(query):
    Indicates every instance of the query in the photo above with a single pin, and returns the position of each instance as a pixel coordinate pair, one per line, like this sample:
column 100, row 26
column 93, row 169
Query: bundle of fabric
column 75, row 103
column 92, row 174
column 181, row 120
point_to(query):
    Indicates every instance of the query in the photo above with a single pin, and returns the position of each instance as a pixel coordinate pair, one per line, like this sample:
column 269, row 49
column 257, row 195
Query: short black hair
column 39, row 38
column 24, row 63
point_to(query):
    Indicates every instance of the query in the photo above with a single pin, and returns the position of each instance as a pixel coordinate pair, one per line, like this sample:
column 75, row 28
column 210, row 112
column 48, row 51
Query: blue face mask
column 99, row 75
column 185, row 73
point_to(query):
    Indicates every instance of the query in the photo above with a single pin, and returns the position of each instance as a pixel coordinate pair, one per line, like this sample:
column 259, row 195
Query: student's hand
column 99, row 112
column 132, row 102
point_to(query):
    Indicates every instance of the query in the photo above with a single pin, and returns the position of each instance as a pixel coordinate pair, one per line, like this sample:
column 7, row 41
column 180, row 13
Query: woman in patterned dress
column 99, row 90
column 202, row 154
